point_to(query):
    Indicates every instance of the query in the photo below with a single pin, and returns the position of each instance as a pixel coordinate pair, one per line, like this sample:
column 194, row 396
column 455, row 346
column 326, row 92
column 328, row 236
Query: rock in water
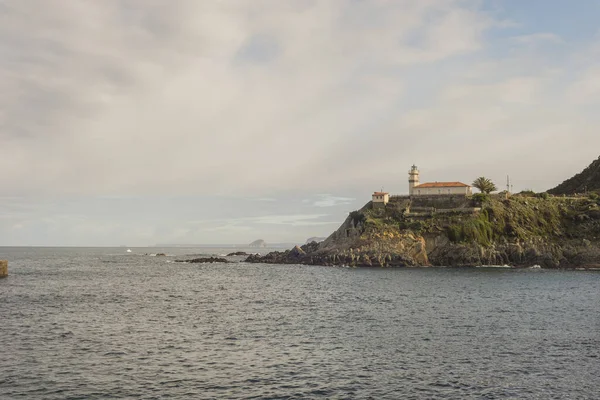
column 237, row 253
column 3, row 268
column 203, row 260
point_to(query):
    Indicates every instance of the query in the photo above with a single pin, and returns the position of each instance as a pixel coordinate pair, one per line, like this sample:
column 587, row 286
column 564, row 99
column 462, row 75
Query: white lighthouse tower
column 413, row 179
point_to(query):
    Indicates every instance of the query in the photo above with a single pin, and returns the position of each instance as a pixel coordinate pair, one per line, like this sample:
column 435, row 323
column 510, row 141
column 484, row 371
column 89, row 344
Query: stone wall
column 399, row 202
column 447, row 202
column 399, row 197
column 3, row 268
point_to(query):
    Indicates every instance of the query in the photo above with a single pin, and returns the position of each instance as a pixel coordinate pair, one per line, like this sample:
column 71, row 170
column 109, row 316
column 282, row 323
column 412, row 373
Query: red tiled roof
column 440, row 184
column 380, row 193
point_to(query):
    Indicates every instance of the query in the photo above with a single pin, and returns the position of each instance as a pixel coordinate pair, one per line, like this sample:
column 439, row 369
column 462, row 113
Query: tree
column 480, row 198
column 485, row 185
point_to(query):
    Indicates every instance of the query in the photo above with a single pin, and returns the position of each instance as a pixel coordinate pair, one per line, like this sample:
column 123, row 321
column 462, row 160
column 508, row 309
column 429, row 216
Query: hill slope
column 586, row 180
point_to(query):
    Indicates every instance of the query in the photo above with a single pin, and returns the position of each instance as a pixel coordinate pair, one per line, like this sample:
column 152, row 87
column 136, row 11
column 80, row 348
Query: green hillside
column 586, row 181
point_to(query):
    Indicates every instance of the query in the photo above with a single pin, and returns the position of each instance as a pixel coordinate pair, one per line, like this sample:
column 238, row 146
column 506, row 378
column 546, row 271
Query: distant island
column 258, row 243
column 443, row 224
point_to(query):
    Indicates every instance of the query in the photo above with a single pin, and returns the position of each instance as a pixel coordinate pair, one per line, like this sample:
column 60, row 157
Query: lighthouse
column 413, row 179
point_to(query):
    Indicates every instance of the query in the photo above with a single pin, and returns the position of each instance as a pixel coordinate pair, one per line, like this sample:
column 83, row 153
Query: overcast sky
column 194, row 121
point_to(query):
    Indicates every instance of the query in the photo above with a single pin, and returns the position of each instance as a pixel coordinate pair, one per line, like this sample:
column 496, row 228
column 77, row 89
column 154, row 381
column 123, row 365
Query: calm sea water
column 101, row 323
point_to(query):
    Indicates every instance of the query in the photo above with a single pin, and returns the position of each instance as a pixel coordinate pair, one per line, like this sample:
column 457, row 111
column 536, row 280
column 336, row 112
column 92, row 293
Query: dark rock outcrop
column 237, row 253
column 203, row 260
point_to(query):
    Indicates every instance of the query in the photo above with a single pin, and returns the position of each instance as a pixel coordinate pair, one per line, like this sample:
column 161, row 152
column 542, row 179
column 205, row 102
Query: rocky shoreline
column 544, row 256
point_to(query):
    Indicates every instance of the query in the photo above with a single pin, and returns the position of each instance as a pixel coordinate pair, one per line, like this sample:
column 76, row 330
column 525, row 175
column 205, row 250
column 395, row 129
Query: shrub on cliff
column 543, row 195
column 357, row 217
column 478, row 230
column 526, row 193
column 480, row 198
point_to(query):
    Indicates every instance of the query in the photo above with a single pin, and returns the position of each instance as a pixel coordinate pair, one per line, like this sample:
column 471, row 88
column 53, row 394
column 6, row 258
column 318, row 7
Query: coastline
column 520, row 231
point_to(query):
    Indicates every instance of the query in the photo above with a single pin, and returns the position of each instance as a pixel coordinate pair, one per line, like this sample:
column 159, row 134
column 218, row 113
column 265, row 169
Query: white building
column 380, row 199
column 434, row 188
column 440, row 188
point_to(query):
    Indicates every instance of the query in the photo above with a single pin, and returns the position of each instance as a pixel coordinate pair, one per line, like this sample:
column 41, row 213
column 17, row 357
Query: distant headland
column 444, row 224
column 258, row 243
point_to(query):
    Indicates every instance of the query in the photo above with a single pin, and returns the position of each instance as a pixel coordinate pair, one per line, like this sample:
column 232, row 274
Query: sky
column 136, row 122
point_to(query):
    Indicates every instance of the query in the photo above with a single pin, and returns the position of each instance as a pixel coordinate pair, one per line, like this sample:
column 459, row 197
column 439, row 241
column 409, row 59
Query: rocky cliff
column 553, row 232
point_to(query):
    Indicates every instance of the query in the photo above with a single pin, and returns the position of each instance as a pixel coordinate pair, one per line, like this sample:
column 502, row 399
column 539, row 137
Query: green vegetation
column 358, row 217
column 379, row 218
column 528, row 218
column 480, row 198
column 501, row 220
column 478, row 230
column 527, row 193
column 542, row 195
column 485, row 185
column 517, row 218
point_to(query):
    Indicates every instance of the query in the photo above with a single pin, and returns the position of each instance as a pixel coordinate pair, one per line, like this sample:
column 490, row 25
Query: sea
column 104, row 323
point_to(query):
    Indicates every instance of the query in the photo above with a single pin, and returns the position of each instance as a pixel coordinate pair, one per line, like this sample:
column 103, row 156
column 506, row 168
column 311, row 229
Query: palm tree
column 485, row 185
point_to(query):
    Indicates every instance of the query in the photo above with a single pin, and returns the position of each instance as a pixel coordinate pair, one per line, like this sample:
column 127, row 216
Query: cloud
column 538, row 38
column 327, row 200
column 586, row 89
column 292, row 220
column 133, row 221
column 205, row 97
column 140, row 115
column 267, row 199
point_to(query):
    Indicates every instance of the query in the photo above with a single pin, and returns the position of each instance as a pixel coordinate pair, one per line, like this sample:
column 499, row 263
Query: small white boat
column 129, row 250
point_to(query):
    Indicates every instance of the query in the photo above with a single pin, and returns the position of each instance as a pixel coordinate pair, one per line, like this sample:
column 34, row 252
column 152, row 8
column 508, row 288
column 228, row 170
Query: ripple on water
column 80, row 327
